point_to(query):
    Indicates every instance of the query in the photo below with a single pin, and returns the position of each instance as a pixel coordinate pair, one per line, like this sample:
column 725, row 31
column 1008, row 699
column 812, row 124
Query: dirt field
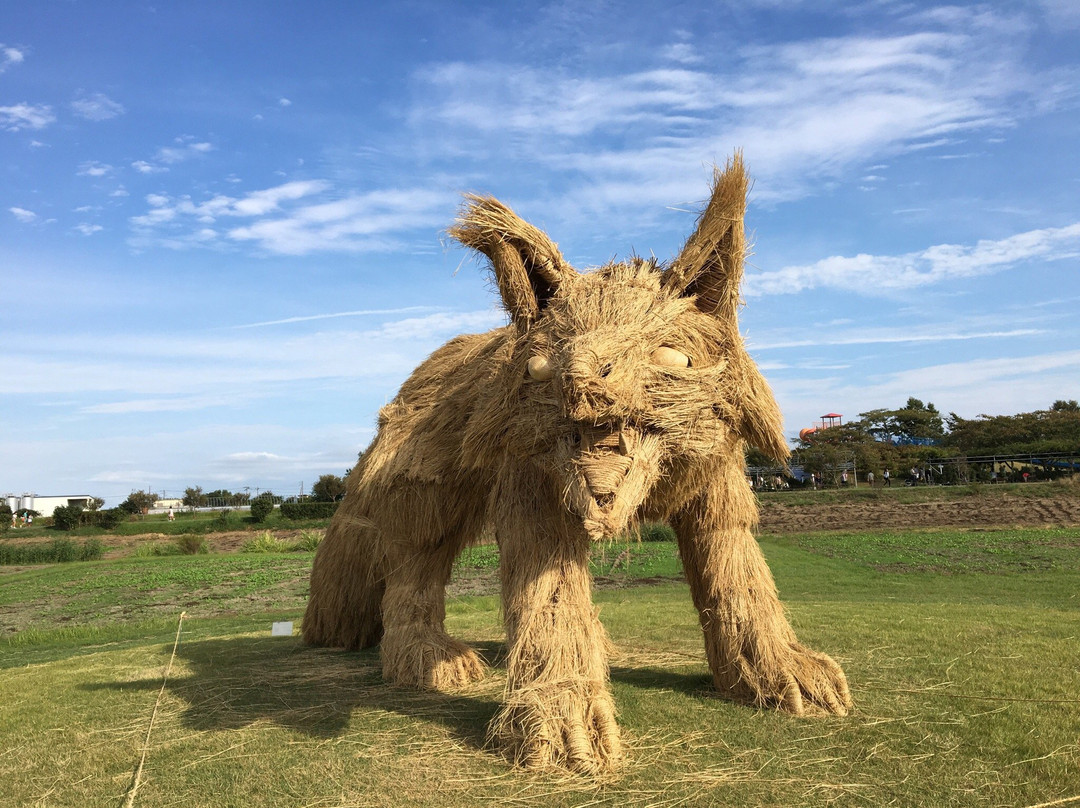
column 988, row 510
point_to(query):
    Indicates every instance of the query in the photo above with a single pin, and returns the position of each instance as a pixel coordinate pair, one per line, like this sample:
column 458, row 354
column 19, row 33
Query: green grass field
column 962, row 649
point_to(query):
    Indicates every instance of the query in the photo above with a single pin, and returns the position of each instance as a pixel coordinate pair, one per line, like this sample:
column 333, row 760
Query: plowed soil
column 885, row 513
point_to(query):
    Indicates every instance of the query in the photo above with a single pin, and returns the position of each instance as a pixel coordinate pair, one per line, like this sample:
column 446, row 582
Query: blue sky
column 221, row 224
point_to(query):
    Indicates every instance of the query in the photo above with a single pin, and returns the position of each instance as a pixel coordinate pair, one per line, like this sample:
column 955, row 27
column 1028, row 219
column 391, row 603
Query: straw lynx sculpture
column 614, row 396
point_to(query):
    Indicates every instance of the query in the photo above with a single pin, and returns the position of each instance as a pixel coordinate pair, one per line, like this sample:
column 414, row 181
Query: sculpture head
column 616, row 377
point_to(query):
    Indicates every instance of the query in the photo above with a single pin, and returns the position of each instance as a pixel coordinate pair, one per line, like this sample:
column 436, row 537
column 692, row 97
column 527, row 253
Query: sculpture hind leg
column 345, row 603
column 432, row 525
column 751, row 648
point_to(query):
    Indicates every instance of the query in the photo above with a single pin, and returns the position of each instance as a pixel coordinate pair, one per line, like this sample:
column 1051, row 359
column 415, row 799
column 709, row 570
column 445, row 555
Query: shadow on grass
column 235, row 682
column 697, row 685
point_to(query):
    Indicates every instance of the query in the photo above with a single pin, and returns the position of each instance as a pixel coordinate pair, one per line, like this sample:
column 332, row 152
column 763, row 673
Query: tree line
column 916, row 434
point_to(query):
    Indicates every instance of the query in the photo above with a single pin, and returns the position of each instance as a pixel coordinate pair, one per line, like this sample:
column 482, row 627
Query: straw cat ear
column 710, row 265
column 528, row 266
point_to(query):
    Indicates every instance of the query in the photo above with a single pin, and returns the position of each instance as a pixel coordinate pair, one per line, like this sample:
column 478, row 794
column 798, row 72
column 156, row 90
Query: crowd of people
column 929, row 474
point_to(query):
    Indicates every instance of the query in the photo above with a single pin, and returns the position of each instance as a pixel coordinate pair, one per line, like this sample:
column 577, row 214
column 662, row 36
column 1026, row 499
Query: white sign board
column 281, row 629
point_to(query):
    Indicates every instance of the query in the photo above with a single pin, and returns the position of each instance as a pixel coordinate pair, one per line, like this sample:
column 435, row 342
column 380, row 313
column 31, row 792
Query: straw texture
column 621, row 394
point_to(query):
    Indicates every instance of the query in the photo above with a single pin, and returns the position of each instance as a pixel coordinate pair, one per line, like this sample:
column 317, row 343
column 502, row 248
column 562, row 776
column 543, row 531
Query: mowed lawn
column 962, row 649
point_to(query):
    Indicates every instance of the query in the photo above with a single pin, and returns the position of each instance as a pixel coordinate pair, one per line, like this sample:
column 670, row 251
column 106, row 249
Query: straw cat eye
column 670, row 358
column 540, row 368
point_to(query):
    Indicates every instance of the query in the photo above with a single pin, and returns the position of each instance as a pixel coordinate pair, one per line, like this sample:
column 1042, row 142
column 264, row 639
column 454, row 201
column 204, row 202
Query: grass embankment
column 184, row 523
column 961, row 648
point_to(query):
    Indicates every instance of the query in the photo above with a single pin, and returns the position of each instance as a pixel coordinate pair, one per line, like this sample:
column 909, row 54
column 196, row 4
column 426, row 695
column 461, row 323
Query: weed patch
column 58, row 551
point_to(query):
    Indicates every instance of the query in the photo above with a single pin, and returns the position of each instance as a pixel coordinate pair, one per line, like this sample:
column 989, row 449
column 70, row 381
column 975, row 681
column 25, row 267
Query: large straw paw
column 800, row 681
column 433, row 661
column 571, row 727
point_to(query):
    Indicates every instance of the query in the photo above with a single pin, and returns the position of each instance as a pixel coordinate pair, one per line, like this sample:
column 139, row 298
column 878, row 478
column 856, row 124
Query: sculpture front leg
column 558, row 710
column 751, row 648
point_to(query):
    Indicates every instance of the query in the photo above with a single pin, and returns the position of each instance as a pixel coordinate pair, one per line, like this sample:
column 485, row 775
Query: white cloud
column 1061, row 13
column 97, row 107
column 1001, row 386
column 186, row 148
column 682, row 52
column 88, row 229
column 213, row 368
column 177, row 404
column 26, row 116
column 332, row 315
column 890, row 336
column 805, row 111
column 92, row 168
column 9, row 56
column 23, row 215
column 284, row 222
column 284, row 102
column 884, row 274
column 144, row 167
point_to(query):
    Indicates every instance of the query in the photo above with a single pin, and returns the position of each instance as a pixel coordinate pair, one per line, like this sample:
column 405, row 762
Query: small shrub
column 191, row 544
column 107, row 519
column 66, row 517
column 308, row 541
column 64, row 550
column 221, row 521
column 152, row 549
column 91, row 550
column 261, row 507
column 265, row 542
column 656, row 531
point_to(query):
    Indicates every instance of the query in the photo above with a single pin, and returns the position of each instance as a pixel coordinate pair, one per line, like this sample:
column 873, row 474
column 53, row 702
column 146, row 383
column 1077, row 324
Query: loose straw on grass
column 129, row 801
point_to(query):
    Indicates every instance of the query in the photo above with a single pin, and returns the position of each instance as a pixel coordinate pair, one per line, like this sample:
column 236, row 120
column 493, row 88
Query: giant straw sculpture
column 614, row 396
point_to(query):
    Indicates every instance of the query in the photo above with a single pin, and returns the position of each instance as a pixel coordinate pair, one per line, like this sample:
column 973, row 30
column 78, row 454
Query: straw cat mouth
column 612, row 471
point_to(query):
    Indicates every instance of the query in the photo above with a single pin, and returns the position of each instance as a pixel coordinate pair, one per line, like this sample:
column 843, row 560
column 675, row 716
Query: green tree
column 914, row 422
column 194, row 497
column 827, row 449
column 1042, row 431
column 328, row 488
column 139, row 502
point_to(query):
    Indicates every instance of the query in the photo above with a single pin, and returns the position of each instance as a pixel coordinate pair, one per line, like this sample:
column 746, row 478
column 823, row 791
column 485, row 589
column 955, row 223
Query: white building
column 45, row 505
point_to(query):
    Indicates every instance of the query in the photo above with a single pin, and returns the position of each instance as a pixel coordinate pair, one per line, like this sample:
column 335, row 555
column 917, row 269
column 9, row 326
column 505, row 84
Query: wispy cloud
column 806, row 110
column 23, row 215
column 333, row 315
column 92, row 168
column 285, row 220
column 184, row 148
column 144, row 167
column 990, row 386
column 889, row 336
column 181, row 371
column 96, row 107
column 10, row 56
column 17, row 117
column 885, row 274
